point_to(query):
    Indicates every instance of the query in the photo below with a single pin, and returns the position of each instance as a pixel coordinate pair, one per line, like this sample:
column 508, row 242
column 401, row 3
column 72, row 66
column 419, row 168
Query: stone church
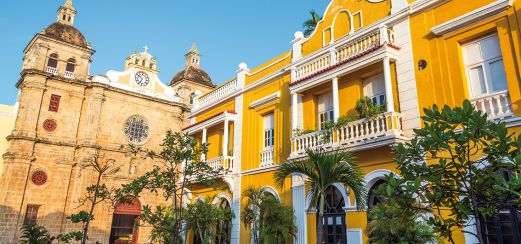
column 66, row 116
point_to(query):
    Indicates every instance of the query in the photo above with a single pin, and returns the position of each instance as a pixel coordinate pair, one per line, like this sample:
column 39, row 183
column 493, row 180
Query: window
column 325, row 109
column 374, row 88
column 71, row 64
column 54, row 103
column 137, row 129
column 269, row 131
column 31, row 214
column 334, row 217
column 484, row 66
column 53, row 61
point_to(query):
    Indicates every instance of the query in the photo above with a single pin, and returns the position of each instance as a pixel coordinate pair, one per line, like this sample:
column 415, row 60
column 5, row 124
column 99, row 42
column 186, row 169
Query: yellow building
column 403, row 55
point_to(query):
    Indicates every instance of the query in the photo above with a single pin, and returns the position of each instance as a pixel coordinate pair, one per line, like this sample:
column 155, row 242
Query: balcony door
column 334, row 221
column 484, row 66
column 325, row 109
column 374, row 88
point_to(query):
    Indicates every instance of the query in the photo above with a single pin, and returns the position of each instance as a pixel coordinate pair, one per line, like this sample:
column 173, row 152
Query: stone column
column 294, row 111
column 203, row 141
column 225, row 138
column 388, row 85
column 336, row 105
column 299, row 207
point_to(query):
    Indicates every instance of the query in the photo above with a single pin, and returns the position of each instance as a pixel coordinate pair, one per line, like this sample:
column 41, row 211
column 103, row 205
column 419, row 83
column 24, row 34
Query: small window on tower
column 63, row 17
column 31, row 214
column 53, row 60
column 71, row 63
column 54, row 103
column 69, row 19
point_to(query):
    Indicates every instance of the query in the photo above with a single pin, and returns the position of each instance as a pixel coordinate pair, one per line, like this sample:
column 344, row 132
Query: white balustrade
column 356, row 45
column 496, row 105
column 266, row 157
column 357, row 133
column 220, row 163
column 218, row 93
column 69, row 75
column 52, row 70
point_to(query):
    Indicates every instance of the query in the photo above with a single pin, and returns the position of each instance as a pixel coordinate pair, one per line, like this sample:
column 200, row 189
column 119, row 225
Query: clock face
column 141, row 78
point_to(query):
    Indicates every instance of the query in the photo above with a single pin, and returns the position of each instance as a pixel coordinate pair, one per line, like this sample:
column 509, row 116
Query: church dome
column 65, row 33
column 193, row 74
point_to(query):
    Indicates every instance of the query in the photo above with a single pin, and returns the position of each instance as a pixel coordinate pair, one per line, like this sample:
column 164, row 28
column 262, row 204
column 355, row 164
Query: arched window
column 53, row 61
column 143, row 63
column 372, row 198
column 124, row 222
column 71, row 64
column 224, row 229
column 69, row 19
column 334, row 222
column 63, row 18
column 192, row 98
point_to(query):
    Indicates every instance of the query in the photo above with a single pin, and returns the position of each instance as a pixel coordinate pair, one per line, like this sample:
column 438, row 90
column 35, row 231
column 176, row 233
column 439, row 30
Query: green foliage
column 367, row 109
column 455, row 165
column 323, row 169
column 310, row 24
column 35, row 234
column 269, row 220
column 180, row 166
column 72, row 236
column 203, row 218
column 391, row 224
column 82, row 216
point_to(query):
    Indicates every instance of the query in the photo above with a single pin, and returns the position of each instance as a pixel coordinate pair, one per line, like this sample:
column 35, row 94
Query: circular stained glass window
column 137, row 129
column 49, row 125
column 39, row 178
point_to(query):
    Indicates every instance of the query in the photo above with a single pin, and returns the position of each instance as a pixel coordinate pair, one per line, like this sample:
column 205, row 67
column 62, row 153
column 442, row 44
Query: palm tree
column 322, row 170
column 311, row 24
column 251, row 211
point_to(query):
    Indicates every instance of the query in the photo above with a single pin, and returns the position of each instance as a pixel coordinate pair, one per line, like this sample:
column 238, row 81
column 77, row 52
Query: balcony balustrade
column 52, row 70
column 221, row 163
column 69, row 75
column 266, row 157
column 382, row 129
column 218, row 94
column 496, row 105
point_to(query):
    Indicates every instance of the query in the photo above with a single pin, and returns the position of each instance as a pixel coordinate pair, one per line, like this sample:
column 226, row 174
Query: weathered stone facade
column 64, row 116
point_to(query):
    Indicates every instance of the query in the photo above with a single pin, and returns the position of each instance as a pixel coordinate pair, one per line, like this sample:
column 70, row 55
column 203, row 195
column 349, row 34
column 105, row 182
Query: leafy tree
column 311, row 23
column 203, row 217
column 269, row 220
column 35, row 234
column 388, row 223
column 367, row 109
column 179, row 167
column 455, row 166
column 323, row 169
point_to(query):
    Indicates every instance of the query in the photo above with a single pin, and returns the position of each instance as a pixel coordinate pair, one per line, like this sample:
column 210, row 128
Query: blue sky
column 226, row 32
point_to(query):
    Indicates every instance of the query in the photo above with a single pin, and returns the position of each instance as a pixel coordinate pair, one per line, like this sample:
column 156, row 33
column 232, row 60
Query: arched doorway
column 125, row 222
column 224, row 229
column 334, row 221
column 372, row 198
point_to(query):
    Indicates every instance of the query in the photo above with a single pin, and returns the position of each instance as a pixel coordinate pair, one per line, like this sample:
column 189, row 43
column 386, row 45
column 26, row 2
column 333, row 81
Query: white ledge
column 265, row 100
column 472, row 17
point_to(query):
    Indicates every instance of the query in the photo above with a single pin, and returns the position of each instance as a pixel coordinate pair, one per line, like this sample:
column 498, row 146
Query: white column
column 225, row 139
column 294, row 111
column 299, row 207
column 203, row 141
column 336, row 105
column 388, row 85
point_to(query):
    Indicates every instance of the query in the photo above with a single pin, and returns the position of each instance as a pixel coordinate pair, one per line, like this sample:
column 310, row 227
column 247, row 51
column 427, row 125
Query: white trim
column 345, row 194
column 272, row 191
column 211, row 122
column 357, row 232
column 512, row 122
column 472, row 17
column 202, row 198
column 265, row 100
column 375, row 175
column 269, row 65
column 221, row 196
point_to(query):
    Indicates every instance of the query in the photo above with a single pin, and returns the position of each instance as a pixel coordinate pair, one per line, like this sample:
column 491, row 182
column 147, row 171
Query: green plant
column 203, row 217
column 455, row 166
column 367, row 109
column 311, row 23
column 35, row 234
column 388, row 223
column 269, row 220
column 322, row 170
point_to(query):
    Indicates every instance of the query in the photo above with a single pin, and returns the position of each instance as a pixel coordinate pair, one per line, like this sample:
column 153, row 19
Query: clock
column 141, row 78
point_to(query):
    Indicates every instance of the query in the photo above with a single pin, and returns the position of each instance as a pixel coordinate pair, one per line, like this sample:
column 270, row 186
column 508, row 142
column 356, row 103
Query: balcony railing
column 52, row 70
column 496, row 105
column 218, row 93
column 353, row 48
column 69, row 75
column 363, row 133
column 221, row 162
column 266, row 157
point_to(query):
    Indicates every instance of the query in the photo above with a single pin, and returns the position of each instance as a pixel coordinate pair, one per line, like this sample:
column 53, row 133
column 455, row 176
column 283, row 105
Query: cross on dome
column 146, row 48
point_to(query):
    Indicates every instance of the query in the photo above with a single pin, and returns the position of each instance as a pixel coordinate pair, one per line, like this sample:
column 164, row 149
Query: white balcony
column 52, row 70
column 496, row 105
column 69, row 75
column 266, row 157
column 384, row 129
column 216, row 95
column 221, row 163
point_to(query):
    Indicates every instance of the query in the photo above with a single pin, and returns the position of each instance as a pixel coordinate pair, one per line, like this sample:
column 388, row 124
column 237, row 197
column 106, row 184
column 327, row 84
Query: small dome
column 194, row 74
column 65, row 33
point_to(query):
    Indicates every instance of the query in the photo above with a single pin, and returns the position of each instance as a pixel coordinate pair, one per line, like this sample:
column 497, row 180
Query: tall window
column 31, row 214
column 54, row 103
column 71, row 64
column 53, row 61
column 269, row 130
column 484, row 66
column 334, row 222
column 374, row 88
column 325, row 109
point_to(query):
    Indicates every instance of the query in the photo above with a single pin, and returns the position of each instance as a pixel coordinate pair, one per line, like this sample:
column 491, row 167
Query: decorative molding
column 265, row 100
column 226, row 115
column 472, row 17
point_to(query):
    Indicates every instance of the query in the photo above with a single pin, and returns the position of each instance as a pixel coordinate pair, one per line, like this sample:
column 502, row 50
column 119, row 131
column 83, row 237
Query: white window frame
column 379, row 98
column 327, row 114
column 268, row 138
column 484, row 63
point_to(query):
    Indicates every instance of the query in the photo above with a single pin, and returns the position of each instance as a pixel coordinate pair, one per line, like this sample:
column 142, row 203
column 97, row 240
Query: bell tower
column 66, row 13
column 193, row 57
